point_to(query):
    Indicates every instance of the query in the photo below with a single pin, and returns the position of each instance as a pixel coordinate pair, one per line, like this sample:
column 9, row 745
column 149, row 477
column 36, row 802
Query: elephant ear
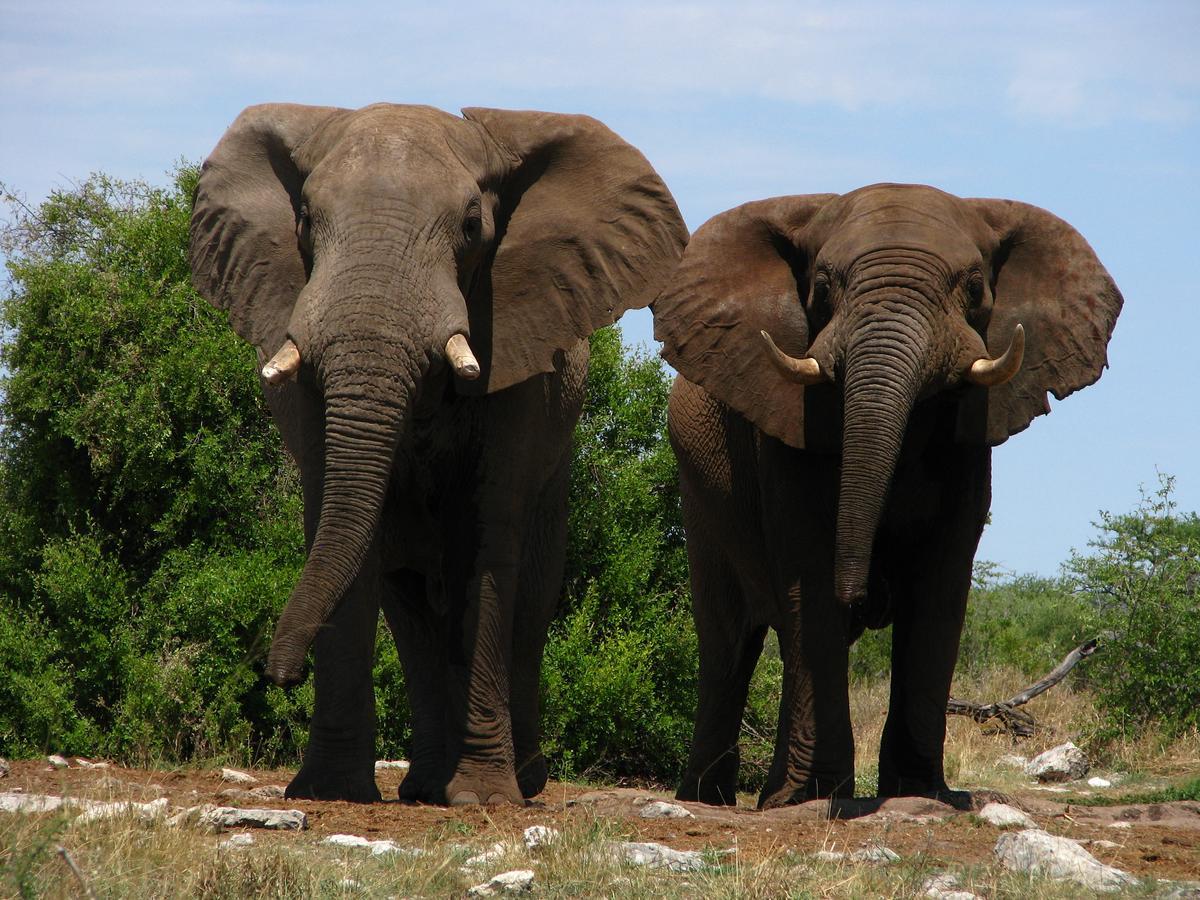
column 243, row 248
column 744, row 272
column 585, row 229
column 1046, row 277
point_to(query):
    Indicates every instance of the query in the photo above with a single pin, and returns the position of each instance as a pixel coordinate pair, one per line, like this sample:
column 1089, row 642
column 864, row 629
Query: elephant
column 420, row 287
column 846, row 363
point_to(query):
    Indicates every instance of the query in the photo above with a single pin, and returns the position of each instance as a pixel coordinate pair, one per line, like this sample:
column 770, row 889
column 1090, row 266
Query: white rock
column 349, row 884
column 377, row 848
column 492, row 854
column 1065, row 762
column 236, row 777
column 237, row 841
column 277, row 819
column 145, row 812
column 1099, row 782
column 1102, row 844
column 1037, row 852
column 1004, row 816
column 88, row 764
column 381, row 764
column 830, row 855
column 514, row 882
column 16, row 801
column 877, row 854
column 944, row 887
column 268, row 792
column 660, row 809
column 539, row 836
column 57, row 761
column 657, row 856
column 1121, row 825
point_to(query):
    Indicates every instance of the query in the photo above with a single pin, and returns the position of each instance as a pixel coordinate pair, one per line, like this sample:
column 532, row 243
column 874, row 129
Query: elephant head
column 886, row 295
column 366, row 252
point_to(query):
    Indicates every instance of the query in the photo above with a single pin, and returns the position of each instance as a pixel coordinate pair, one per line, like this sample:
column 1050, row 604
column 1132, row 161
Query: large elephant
column 420, row 287
column 846, row 364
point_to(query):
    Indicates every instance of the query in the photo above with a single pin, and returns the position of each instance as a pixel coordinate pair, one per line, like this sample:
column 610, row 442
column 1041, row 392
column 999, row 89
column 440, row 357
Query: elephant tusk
column 284, row 365
column 994, row 372
column 460, row 357
column 802, row 371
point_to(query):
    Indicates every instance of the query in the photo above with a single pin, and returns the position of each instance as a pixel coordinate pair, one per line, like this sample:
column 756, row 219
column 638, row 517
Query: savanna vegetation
column 150, row 532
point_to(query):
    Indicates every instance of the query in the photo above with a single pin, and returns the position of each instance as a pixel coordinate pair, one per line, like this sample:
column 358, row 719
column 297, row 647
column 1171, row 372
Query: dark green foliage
column 619, row 675
column 1142, row 583
column 1027, row 622
column 149, row 526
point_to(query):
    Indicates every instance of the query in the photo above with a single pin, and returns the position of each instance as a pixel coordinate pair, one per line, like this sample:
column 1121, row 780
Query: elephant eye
column 302, row 221
column 975, row 288
column 471, row 226
column 820, row 291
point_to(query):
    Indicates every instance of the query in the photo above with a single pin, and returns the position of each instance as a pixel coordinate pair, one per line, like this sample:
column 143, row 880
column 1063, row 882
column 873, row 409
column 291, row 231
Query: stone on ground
column 539, row 836
column 1099, row 782
column 145, row 812
column 236, row 777
column 657, row 856
column 945, row 887
column 17, row 802
column 516, row 881
column 1065, row 762
column 237, row 841
column 222, row 817
column 877, row 854
column 57, row 761
column 1039, row 853
column 1004, row 816
column 377, row 848
column 660, row 809
column 492, row 854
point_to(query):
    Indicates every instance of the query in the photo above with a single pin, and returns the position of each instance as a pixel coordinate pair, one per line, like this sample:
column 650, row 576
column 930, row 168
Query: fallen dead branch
column 1011, row 719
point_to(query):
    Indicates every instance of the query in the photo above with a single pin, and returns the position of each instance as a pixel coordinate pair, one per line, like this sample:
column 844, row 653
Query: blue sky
column 1091, row 110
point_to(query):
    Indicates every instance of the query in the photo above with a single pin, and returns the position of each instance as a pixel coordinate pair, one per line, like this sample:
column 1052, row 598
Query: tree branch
column 1021, row 723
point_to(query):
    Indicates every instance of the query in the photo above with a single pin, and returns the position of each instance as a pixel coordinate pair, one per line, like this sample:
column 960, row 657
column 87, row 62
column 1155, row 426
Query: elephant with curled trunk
column 846, row 365
column 420, row 287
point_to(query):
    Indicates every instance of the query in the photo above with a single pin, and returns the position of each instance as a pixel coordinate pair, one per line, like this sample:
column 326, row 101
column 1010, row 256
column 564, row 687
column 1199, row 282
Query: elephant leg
column 339, row 761
column 730, row 643
column 420, row 636
column 814, row 744
column 541, row 576
column 925, row 636
column 479, row 734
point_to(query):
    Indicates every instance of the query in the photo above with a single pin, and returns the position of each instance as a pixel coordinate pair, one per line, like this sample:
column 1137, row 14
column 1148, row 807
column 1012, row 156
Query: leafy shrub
column 1143, row 585
column 620, row 667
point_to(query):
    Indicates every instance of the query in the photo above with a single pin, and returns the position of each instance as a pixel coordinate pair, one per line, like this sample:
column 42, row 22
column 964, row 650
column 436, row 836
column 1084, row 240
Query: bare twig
column 75, row 870
column 1021, row 723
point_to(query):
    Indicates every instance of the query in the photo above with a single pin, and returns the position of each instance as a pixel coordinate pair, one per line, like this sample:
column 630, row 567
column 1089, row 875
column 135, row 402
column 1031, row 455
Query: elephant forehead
column 408, row 136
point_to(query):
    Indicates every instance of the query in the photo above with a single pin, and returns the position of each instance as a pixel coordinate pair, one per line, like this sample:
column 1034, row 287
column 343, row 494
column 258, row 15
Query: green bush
column 1142, row 582
column 620, row 667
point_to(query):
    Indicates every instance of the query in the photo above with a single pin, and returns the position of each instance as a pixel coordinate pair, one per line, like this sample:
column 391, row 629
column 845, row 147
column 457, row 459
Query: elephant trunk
column 361, row 434
column 883, row 378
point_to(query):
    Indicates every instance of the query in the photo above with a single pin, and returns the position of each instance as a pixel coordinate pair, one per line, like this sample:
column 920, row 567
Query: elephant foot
column 712, row 791
column 920, row 787
column 420, row 786
column 532, row 776
column 796, row 791
column 315, row 783
column 466, row 790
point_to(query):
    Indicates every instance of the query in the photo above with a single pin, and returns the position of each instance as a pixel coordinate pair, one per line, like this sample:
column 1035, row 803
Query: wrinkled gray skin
column 857, row 500
column 368, row 238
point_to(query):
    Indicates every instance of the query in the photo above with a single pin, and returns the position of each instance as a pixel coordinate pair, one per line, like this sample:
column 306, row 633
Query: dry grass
column 125, row 858
column 122, row 858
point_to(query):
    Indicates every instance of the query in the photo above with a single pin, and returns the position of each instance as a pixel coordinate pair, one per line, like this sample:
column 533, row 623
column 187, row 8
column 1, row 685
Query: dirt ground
column 1163, row 840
